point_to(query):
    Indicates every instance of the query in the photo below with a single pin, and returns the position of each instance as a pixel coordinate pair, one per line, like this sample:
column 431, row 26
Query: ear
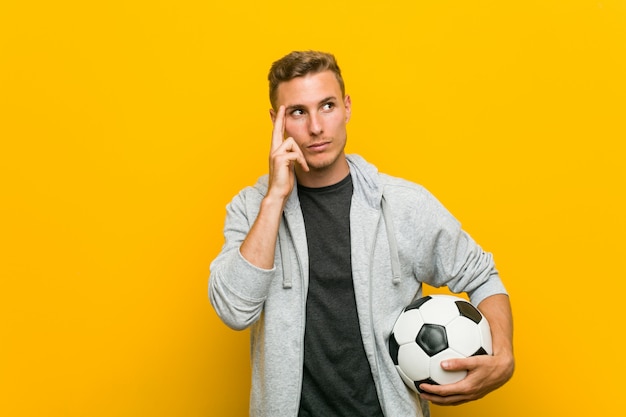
column 347, row 103
column 273, row 115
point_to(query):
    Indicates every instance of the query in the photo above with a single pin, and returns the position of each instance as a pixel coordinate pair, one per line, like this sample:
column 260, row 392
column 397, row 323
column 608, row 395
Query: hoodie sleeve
column 465, row 267
column 446, row 254
column 238, row 289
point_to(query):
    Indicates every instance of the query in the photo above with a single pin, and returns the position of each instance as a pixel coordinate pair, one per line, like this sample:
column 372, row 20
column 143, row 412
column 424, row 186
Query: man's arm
column 260, row 243
column 485, row 373
column 239, row 284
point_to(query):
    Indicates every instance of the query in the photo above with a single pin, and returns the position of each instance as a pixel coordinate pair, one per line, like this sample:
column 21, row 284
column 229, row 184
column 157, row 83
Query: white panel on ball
column 407, row 326
column 485, row 332
column 438, row 374
column 463, row 337
column 439, row 310
column 413, row 361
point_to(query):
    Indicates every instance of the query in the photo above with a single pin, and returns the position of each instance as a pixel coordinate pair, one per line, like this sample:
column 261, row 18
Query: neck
column 323, row 177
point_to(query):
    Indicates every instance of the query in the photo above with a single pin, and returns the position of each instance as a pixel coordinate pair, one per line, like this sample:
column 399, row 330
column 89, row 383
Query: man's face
column 315, row 117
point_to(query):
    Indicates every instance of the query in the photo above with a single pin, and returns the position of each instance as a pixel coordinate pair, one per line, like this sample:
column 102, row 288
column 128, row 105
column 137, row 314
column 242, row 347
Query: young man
column 322, row 254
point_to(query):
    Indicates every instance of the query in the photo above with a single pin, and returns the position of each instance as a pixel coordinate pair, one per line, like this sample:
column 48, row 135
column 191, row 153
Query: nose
column 315, row 125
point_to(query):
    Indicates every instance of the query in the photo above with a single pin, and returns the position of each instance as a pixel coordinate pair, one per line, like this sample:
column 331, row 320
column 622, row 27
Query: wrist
column 273, row 203
column 274, row 200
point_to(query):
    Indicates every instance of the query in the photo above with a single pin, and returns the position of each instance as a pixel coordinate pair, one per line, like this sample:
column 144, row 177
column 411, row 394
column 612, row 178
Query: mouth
column 318, row 146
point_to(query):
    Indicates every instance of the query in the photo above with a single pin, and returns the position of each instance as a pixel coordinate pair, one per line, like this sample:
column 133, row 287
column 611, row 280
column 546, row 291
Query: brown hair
column 299, row 64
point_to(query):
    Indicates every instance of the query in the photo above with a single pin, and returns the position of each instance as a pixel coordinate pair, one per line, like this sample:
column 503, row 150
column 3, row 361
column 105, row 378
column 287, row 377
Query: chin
column 322, row 164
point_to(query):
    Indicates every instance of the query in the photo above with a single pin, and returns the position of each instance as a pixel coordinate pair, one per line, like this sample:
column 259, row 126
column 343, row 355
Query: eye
column 328, row 106
column 297, row 112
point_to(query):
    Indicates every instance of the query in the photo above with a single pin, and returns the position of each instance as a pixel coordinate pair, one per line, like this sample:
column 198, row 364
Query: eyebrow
column 302, row 106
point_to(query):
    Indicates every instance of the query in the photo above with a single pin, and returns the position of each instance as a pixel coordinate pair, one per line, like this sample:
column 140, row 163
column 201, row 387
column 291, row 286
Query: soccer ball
column 432, row 329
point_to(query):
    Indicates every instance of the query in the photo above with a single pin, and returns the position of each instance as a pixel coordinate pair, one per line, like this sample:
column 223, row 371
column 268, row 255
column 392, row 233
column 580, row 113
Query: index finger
column 278, row 133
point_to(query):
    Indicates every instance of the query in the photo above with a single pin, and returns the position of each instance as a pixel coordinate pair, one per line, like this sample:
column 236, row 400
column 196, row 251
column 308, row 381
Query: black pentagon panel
column 469, row 311
column 417, row 303
column 432, row 339
column 393, row 349
column 424, row 381
column 480, row 351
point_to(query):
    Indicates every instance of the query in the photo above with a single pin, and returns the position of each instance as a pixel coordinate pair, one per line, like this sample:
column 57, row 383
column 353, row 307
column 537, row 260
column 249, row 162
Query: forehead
column 308, row 90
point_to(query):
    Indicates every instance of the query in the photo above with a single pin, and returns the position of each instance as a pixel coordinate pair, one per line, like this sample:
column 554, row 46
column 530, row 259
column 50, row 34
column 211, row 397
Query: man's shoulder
column 404, row 194
column 252, row 193
column 383, row 178
column 392, row 183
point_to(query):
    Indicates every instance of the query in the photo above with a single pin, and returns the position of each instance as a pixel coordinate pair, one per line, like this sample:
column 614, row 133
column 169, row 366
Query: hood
column 372, row 191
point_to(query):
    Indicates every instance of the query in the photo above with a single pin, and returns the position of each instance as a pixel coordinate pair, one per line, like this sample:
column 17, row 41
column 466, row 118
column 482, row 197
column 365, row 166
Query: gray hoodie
column 401, row 236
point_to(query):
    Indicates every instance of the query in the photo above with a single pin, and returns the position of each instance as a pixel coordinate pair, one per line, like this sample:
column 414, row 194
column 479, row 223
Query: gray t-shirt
column 337, row 377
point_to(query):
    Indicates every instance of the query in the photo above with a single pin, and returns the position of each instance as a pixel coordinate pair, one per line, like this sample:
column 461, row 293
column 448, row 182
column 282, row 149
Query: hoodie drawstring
column 393, row 244
column 285, row 255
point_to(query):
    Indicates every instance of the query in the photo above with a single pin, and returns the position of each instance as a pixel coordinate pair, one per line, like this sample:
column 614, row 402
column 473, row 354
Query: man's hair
column 299, row 64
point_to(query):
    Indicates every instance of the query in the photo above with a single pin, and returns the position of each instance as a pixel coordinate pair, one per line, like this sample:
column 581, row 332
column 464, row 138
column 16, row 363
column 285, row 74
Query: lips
column 319, row 146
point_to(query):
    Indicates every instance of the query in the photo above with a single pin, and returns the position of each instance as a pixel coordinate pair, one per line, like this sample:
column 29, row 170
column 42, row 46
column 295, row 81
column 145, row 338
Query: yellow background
column 126, row 127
